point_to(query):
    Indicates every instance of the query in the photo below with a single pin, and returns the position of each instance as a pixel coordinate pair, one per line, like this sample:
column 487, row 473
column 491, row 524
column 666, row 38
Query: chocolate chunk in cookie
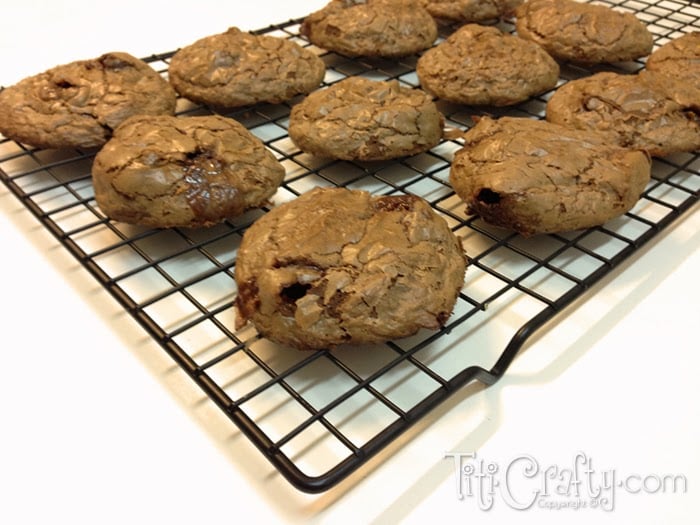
column 79, row 104
column 236, row 68
column 480, row 65
column 633, row 111
column 372, row 28
column 584, row 33
column 183, row 171
column 362, row 119
column 532, row 176
column 341, row 266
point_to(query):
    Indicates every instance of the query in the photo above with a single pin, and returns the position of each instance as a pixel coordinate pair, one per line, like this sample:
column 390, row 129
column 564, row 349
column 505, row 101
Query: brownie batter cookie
column 183, row 171
column 532, row 176
column 677, row 65
column 480, row 65
column 372, row 28
column 581, row 32
column 630, row 110
column 236, row 68
column 471, row 10
column 362, row 119
column 79, row 104
column 341, row 266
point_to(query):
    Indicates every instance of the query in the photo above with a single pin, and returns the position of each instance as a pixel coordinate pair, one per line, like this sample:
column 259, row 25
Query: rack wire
column 319, row 416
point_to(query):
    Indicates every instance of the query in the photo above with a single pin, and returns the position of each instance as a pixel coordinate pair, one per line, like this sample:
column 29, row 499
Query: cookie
column 480, row 65
column 631, row 110
column 79, row 104
column 338, row 266
column 236, row 68
column 371, row 28
column 532, row 176
column 677, row 64
column 467, row 11
column 583, row 33
column 363, row 119
column 163, row 171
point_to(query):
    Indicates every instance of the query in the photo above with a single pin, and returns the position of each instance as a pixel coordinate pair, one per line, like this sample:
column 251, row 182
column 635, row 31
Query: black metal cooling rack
column 318, row 416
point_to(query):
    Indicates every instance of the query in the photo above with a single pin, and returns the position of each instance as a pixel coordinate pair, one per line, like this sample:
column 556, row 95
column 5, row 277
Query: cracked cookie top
column 79, row 104
column 583, row 33
column 363, row 119
column 470, row 10
column 532, row 176
column 480, row 65
column 236, row 68
column 634, row 111
column 183, row 171
column 677, row 64
column 376, row 28
column 338, row 266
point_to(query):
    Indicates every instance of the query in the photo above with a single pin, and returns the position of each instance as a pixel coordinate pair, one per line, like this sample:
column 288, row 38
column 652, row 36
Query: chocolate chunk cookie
column 341, row 266
column 677, row 64
column 235, row 68
column 471, row 10
column 79, row 104
column 362, row 119
column 480, row 65
column 631, row 110
column 532, row 176
column 373, row 28
column 183, row 171
column 581, row 32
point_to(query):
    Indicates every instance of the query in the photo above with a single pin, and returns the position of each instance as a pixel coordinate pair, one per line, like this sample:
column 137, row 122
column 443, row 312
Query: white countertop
column 99, row 426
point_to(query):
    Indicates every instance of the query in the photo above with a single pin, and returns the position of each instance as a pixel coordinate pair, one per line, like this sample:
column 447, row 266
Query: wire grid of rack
column 318, row 416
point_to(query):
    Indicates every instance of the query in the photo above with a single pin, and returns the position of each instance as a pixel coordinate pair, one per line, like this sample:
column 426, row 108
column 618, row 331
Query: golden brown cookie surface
column 582, row 32
column 633, row 111
column 183, row 171
column 470, row 10
column 532, row 176
column 236, row 68
column 363, row 119
column 79, row 104
column 338, row 266
column 480, row 65
column 677, row 64
column 374, row 28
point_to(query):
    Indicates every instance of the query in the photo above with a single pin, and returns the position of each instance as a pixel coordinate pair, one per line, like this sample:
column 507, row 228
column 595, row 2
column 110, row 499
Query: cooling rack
column 319, row 416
